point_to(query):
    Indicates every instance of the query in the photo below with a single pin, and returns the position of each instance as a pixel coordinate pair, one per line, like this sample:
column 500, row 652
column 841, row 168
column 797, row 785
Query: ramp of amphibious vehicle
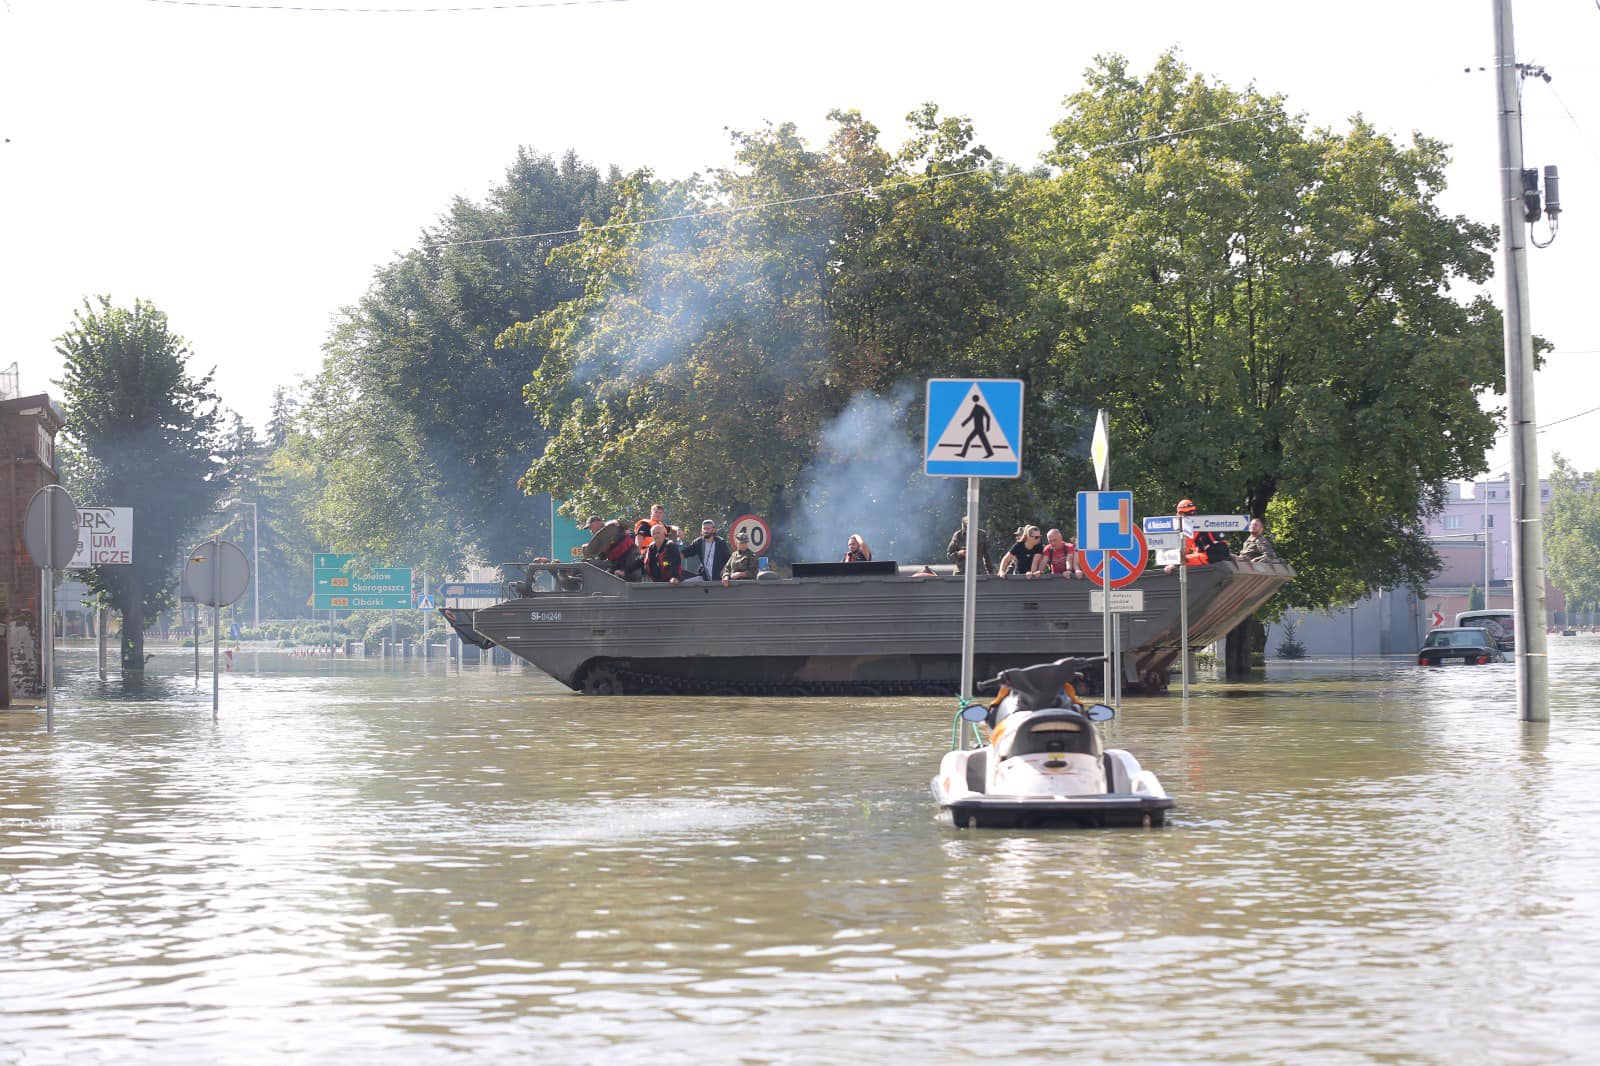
column 871, row 635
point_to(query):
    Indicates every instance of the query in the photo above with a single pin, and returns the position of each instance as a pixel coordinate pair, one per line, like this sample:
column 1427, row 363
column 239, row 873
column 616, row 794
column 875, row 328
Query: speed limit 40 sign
column 755, row 527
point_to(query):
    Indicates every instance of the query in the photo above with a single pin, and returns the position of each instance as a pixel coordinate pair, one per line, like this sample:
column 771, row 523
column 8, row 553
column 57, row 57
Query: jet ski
column 1039, row 763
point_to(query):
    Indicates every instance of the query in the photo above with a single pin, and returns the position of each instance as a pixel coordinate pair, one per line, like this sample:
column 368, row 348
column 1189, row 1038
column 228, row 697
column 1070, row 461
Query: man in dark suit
column 710, row 552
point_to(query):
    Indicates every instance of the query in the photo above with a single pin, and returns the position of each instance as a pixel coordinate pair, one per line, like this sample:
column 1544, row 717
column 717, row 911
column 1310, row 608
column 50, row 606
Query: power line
column 1569, row 418
column 1574, row 118
column 858, row 190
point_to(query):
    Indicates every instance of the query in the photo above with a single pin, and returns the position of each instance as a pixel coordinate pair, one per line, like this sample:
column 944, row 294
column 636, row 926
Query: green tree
column 416, row 422
column 742, row 333
column 1267, row 313
column 1475, row 598
column 291, row 484
column 281, row 419
column 1572, row 536
column 147, row 436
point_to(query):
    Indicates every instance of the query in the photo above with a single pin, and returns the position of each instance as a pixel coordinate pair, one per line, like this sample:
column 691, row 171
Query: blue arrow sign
column 1162, row 524
column 974, row 428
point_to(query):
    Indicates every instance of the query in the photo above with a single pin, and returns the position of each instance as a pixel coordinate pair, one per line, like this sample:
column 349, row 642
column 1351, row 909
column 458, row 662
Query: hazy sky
column 247, row 165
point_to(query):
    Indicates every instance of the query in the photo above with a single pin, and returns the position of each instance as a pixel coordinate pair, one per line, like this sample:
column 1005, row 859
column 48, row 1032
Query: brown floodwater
column 1368, row 862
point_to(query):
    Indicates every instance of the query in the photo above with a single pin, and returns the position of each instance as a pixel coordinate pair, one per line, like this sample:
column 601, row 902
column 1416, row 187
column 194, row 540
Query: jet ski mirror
column 975, row 712
column 1099, row 712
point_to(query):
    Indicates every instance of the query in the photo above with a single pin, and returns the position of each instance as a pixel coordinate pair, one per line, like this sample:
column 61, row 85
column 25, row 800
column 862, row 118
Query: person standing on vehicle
column 1022, row 555
column 1058, row 557
column 1257, row 547
column 743, row 564
column 1203, row 547
column 663, row 562
column 856, row 550
column 957, row 551
column 710, row 552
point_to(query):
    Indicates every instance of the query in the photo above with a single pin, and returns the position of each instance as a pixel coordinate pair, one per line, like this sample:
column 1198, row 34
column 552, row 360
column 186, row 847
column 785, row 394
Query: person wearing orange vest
column 1202, row 548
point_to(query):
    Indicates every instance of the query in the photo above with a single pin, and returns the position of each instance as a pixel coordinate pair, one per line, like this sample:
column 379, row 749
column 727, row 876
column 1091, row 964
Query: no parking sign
column 1114, row 569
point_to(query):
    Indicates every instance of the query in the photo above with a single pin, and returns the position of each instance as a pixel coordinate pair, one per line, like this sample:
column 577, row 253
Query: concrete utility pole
column 1527, row 518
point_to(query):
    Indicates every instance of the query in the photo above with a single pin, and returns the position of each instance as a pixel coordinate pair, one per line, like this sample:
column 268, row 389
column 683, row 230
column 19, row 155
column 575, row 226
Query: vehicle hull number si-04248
column 544, row 616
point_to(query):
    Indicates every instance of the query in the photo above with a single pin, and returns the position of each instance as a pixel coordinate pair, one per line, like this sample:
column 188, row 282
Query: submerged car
column 1466, row 644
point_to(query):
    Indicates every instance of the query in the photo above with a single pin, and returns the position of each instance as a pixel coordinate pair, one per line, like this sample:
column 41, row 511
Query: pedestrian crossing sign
column 424, row 602
column 974, row 428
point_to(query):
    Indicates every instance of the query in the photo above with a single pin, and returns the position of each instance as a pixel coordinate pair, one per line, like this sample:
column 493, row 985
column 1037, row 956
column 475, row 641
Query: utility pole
column 1527, row 517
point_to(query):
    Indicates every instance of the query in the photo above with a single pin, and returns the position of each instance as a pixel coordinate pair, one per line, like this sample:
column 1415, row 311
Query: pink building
column 1482, row 521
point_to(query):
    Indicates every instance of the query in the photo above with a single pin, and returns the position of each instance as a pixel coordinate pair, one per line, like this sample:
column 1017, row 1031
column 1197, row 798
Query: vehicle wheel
column 602, row 681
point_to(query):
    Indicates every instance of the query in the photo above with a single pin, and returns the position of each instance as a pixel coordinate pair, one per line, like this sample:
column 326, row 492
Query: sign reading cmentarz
column 105, row 537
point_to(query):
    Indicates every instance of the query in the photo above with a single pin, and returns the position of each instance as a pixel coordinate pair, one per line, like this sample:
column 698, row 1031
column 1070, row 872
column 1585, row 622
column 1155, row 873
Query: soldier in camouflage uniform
column 957, row 551
column 743, row 564
column 1257, row 548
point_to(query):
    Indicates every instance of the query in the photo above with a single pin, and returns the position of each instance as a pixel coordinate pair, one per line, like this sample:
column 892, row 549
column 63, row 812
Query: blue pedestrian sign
column 974, row 428
column 1105, row 522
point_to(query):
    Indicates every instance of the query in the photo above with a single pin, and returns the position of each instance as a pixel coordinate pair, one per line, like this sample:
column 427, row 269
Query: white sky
column 248, row 170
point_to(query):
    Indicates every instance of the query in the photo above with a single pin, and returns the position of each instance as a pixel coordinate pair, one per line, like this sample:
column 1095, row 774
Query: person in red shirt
column 1059, row 557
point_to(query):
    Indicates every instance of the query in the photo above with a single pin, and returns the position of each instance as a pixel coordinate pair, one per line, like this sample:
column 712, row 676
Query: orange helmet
column 1186, row 507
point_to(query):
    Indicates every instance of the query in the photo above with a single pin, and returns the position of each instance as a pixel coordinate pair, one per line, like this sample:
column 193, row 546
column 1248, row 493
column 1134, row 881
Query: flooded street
column 1368, row 862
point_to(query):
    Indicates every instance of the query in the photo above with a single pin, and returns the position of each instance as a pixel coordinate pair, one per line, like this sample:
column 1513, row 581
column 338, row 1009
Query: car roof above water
column 1477, row 634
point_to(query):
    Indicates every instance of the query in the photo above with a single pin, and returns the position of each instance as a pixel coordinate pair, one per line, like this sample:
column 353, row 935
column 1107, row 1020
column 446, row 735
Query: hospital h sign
column 1105, row 521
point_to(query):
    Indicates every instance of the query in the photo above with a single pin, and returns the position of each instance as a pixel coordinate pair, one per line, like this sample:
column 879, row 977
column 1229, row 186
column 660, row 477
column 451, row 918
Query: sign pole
column 47, row 574
column 1102, row 457
column 51, row 539
column 1183, row 605
column 969, row 590
column 974, row 431
column 216, row 620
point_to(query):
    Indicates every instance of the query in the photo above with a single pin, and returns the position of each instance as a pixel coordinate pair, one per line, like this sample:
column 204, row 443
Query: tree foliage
column 148, row 436
column 1572, row 535
column 708, row 357
column 416, row 423
column 1267, row 313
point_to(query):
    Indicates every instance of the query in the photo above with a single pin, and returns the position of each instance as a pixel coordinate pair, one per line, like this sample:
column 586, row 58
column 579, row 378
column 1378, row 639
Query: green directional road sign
column 336, row 586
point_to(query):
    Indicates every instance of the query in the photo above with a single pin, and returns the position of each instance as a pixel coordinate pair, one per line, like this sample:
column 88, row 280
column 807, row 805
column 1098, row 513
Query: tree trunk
column 1244, row 640
column 132, row 607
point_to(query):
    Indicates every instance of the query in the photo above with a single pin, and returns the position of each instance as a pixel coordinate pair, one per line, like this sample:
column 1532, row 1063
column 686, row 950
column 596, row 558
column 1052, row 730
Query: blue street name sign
column 974, row 428
column 1105, row 522
column 470, row 590
column 1162, row 524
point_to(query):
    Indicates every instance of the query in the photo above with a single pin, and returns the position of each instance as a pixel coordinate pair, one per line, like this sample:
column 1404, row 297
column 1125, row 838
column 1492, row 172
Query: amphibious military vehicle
column 838, row 629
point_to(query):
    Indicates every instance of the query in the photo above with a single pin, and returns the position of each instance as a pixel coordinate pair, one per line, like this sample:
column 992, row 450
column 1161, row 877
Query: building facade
column 28, row 428
column 1472, row 534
